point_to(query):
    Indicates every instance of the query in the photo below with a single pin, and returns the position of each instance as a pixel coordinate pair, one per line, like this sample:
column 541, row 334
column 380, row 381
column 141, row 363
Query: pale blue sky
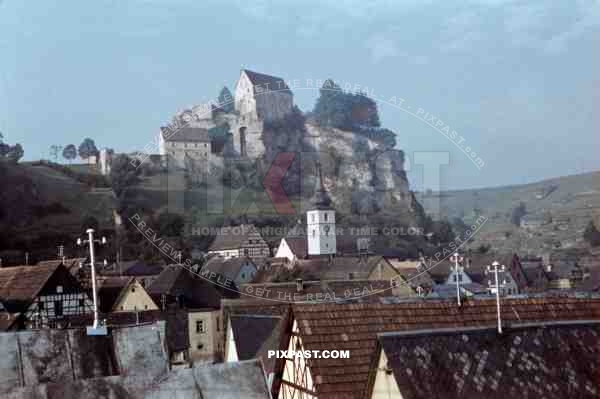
column 518, row 80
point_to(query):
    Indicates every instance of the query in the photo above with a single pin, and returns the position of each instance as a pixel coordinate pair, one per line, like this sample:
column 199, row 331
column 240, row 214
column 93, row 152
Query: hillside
column 557, row 212
column 42, row 207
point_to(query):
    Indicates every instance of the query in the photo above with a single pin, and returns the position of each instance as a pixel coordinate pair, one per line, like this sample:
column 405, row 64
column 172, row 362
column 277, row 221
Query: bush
column 591, row 234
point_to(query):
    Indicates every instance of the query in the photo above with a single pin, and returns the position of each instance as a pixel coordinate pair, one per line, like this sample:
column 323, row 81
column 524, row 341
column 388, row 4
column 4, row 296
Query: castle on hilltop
column 199, row 134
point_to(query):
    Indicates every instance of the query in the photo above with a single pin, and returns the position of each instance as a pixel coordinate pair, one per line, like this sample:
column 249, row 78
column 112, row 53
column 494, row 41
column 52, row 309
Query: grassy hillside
column 558, row 208
column 42, row 207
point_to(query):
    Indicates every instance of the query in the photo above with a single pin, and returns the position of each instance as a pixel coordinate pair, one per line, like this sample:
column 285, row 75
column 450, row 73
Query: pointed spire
column 322, row 199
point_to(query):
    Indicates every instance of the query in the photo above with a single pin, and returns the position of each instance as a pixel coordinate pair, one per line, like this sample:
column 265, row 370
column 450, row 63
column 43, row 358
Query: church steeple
column 322, row 200
column 320, row 220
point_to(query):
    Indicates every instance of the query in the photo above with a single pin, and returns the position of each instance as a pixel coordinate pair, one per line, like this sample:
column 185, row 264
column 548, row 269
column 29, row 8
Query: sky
column 518, row 81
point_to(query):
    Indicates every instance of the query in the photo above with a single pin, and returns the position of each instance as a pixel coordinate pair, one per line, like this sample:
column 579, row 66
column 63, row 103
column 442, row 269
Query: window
column 59, row 289
column 132, row 289
column 40, row 305
column 243, row 276
column 58, row 308
column 325, row 217
column 81, row 303
column 200, row 326
column 200, row 346
column 313, row 217
column 350, row 276
column 314, row 233
column 460, row 278
column 218, row 328
column 205, row 145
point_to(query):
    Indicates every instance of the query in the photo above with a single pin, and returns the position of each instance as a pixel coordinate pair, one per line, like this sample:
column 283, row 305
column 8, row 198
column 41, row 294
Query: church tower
column 320, row 222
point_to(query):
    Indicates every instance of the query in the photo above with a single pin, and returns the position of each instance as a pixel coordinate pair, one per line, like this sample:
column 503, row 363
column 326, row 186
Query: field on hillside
column 42, row 207
column 557, row 212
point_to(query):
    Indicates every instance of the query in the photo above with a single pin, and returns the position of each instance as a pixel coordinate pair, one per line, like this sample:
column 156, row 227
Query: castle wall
column 273, row 105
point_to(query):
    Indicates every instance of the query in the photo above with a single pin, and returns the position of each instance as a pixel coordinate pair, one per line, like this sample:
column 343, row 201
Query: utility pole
column 95, row 329
column 496, row 268
column 456, row 258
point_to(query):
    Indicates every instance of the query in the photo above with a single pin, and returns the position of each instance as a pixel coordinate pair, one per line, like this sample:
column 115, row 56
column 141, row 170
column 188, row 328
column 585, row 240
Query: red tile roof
column 355, row 327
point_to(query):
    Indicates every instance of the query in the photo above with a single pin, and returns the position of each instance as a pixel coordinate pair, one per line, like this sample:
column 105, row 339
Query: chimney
column 299, row 285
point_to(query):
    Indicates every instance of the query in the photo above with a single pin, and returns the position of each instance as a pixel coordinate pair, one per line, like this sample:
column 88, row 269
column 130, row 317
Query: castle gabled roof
column 188, row 134
column 266, row 82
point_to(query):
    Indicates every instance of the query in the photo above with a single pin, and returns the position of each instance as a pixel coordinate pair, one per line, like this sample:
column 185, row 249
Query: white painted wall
column 321, row 232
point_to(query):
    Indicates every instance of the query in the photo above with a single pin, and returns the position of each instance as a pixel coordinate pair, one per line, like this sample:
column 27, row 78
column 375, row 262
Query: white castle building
column 200, row 133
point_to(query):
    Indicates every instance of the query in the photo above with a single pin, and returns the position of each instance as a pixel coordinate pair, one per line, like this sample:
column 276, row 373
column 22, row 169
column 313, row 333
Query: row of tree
column 86, row 149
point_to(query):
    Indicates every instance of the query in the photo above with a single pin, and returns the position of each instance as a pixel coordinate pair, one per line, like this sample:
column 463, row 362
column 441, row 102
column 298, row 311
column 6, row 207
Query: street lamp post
column 457, row 259
column 496, row 268
column 96, row 328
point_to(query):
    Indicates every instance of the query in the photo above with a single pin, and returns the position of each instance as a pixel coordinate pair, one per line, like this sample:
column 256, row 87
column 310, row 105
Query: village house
column 239, row 270
column 123, row 294
column 201, row 322
column 357, row 328
column 44, row 295
column 239, row 241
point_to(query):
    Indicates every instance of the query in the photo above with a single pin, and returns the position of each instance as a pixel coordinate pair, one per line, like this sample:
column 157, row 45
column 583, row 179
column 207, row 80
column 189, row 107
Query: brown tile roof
column 23, row 283
column 355, row 327
column 550, row 361
column 322, row 291
column 266, row 82
column 298, row 246
column 177, row 283
column 360, row 267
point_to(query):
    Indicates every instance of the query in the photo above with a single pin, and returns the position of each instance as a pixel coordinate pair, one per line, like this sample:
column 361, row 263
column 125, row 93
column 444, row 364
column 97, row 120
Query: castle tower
column 320, row 222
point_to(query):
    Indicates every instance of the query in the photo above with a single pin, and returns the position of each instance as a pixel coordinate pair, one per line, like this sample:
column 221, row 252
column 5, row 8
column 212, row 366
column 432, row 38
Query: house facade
column 45, row 295
column 239, row 241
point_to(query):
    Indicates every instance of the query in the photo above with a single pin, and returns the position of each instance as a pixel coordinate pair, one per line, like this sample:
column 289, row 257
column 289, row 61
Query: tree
column 70, row 152
column 170, row 224
column 518, row 213
column 226, row 100
column 87, row 148
column 591, row 234
column 55, row 149
column 10, row 153
column 123, row 174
